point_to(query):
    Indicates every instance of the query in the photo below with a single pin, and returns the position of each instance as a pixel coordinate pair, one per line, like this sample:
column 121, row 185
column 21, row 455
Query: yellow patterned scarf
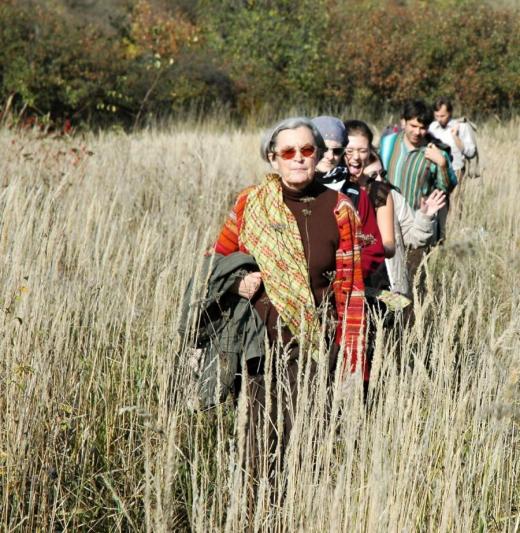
column 271, row 235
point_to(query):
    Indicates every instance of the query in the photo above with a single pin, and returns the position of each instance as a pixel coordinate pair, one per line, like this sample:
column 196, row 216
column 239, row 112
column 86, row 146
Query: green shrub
column 256, row 57
column 393, row 51
column 273, row 51
column 51, row 66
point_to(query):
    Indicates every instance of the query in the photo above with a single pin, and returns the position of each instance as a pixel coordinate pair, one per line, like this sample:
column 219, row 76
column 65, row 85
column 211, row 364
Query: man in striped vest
column 413, row 163
column 417, row 166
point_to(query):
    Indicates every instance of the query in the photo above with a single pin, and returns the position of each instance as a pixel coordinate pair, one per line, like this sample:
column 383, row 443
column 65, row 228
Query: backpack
column 391, row 128
column 472, row 163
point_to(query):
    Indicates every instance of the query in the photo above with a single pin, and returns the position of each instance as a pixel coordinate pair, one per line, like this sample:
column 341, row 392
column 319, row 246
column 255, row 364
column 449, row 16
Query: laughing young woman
column 357, row 156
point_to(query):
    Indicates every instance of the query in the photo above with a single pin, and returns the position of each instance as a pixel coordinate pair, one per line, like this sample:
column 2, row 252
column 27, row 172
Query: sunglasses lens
column 307, row 151
column 288, row 153
column 338, row 151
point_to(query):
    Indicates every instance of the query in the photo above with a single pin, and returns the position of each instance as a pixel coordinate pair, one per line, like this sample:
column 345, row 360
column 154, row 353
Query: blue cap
column 331, row 129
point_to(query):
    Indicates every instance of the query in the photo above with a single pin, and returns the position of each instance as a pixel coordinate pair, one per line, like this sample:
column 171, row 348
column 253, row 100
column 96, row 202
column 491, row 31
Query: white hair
column 268, row 143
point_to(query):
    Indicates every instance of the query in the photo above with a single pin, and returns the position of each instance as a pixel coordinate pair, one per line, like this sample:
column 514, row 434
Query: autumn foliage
column 154, row 32
column 163, row 58
column 393, row 51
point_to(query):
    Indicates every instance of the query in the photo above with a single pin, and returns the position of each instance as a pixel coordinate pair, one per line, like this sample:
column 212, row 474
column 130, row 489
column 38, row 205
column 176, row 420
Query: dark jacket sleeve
column 209, row 288
column 212, row 313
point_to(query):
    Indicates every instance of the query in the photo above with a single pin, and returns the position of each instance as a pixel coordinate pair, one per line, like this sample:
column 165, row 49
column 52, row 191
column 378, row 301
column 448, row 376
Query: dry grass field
column 98, row 237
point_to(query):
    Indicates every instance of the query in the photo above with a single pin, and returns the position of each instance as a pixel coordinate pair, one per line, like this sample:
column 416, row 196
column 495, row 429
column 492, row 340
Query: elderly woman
column 304, row 238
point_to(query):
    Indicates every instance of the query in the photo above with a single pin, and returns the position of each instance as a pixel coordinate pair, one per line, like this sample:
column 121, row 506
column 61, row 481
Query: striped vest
column 410, row 171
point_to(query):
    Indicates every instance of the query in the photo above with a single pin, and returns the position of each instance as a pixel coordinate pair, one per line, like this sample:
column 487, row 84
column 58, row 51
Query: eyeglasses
column 290, row 153
column 336, row 151
column 378, row 174
column 360, row 151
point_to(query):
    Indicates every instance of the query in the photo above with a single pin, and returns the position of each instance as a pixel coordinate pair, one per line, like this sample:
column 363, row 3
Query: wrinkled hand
column 434, row 203
column 248, row 285
column 433, row 154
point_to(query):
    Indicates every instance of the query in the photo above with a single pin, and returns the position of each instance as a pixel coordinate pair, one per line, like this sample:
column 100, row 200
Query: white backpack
column 472, row 163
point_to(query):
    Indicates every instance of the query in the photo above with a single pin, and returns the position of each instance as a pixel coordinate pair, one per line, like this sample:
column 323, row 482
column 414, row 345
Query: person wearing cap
column 334, row 173
column 333, row 132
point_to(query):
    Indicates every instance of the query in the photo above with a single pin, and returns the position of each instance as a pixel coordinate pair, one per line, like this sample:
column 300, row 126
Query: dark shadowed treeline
column 124, row 62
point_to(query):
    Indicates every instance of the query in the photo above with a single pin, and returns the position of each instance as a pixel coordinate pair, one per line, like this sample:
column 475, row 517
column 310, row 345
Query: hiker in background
column 416, row 166
column 304, row 238
column 412, row 229
column 456, row 133
column 413, row 161
column 413, row 164
column 391, row 128
column 334, row 173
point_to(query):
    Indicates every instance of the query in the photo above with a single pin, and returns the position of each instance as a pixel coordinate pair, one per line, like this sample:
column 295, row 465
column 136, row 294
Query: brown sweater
column 313, row 209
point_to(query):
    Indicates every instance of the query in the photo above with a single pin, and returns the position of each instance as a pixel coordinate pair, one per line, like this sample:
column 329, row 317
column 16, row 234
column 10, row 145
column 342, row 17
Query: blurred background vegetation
column 105, row 62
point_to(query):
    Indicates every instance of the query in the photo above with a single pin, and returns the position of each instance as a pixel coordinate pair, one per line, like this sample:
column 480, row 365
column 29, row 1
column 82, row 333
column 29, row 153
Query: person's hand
column 433, row 154
column 434, row 203
column 248, row 285
column 455, row 130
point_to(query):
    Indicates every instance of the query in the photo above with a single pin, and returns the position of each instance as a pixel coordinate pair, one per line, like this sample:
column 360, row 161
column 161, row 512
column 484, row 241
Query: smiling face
column 297, row 172
column 357, row 155
column 414, row 132
column 330, row 159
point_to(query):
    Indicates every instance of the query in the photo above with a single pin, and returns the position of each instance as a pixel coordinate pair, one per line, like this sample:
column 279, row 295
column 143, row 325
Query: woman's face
column 357, row 154
column 295, row 157
column 332, row 157
column 374, row 170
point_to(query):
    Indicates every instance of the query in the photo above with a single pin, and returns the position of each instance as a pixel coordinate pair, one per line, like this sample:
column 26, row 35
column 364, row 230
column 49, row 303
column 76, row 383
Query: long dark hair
column 378, row 190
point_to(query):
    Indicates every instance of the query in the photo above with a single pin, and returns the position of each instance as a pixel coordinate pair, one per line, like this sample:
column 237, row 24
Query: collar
column 333, row 176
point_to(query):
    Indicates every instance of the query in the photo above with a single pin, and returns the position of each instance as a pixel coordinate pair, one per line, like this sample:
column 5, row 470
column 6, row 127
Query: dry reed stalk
column 98, row 238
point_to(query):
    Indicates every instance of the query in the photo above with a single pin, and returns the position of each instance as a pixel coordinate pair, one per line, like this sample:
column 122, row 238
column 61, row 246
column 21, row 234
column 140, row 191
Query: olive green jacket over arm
column 221, row 325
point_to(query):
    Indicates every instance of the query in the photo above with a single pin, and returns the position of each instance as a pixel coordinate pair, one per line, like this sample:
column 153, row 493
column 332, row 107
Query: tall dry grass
column 99, row 236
